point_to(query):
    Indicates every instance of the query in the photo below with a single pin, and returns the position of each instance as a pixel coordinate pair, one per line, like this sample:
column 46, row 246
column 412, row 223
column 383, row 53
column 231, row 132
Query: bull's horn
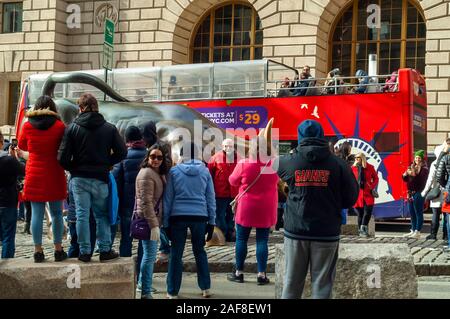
column 267, row 134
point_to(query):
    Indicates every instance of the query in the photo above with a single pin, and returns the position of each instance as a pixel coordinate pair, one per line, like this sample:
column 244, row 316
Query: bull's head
column 170, row 119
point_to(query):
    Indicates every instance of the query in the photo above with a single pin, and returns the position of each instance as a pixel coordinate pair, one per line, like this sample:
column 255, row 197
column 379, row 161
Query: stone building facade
column 160, row 32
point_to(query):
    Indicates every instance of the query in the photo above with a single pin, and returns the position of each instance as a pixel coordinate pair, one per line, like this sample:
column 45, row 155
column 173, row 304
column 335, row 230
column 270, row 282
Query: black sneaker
column 109, row 255
column 262, row 280
column 431, row 237
column 39, row 257
column 85, row 258
column 60, row 255
column 233, row 277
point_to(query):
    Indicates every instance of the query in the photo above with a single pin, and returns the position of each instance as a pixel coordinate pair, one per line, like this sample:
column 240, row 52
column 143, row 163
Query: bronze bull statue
column 169, row 118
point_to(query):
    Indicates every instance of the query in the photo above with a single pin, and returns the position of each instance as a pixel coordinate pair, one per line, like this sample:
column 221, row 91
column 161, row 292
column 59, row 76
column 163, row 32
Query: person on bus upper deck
column 174, row 91
column 416, row 177
column 363, row 80
column 391, row 83
column 301, row 86
column 334, row 83
column 368, row 181
column 435, row 203
column 284, row 89
column 320, row 186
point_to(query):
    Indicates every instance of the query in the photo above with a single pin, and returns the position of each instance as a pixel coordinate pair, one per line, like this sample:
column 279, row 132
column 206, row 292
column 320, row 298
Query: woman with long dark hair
column 45, row 181
column 150, row 183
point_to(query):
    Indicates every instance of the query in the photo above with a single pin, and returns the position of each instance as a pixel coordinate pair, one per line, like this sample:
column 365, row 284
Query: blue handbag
column 113, row 200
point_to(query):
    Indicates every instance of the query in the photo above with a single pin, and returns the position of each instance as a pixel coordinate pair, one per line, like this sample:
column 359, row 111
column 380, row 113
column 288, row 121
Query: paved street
column 429, row 258
column 430, row 287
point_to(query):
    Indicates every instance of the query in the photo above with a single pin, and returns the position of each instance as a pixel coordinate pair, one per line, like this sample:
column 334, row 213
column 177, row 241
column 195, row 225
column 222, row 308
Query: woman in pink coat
column 256, row 207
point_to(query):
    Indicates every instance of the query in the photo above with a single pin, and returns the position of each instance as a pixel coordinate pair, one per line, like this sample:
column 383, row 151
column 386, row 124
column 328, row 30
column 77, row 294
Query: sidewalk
column 429, row 258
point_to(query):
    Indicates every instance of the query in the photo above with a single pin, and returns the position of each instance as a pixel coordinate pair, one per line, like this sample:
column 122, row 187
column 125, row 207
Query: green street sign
column 109, row 32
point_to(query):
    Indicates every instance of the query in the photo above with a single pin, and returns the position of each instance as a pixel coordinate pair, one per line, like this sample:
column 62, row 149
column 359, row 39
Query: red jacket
column 371, row 181
column 44, row 177
column 220, row 171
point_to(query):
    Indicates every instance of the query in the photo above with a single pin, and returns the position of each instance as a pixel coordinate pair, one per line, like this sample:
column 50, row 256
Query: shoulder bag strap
column 239, row 196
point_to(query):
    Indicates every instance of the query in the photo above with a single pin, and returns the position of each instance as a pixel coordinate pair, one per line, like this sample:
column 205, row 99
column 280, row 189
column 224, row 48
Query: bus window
column 420, row 141
column 387, row 142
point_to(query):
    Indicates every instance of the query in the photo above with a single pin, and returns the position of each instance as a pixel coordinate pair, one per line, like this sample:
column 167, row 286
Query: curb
column 422, row 269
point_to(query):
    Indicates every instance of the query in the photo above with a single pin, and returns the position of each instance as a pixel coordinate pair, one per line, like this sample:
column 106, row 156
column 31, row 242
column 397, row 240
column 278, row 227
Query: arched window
column 398, row 43
column 228, row 33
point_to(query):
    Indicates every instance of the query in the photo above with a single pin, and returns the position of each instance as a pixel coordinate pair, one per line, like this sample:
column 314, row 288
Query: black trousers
column 364, row 215
column 435, row 221
column 27, row 212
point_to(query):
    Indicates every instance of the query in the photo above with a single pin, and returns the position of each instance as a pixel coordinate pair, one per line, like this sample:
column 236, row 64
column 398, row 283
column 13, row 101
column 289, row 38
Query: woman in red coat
column 45, row 180
column 368, row 181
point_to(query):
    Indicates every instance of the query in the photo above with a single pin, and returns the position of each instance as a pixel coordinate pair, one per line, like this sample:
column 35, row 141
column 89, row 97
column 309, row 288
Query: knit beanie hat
column 420, row 153
column 132, row 133
column 309, row 128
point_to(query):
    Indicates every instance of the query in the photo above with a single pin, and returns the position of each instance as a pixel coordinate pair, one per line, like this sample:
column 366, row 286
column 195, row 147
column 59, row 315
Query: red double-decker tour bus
column 387, row 123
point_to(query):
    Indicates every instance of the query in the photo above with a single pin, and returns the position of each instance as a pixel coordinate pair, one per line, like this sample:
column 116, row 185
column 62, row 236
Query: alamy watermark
column 73, row 273
column 374, row 279
column 250, row 147
column 374, row 18
column 73, row 21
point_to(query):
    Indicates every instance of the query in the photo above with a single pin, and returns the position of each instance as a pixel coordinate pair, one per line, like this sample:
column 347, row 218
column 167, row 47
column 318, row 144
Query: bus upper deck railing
column 209, row 81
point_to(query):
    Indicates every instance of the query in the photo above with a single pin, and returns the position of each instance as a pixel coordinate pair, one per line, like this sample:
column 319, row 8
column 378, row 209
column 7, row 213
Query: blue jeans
column 416, row 211
column 21, row 213
column 150, row 248
column 126, row 241
column 8, row 221
column 37, row 217
column 91, row 193
column 175, row 272
column 262, row 249
column 164, row 246
column 74, row 249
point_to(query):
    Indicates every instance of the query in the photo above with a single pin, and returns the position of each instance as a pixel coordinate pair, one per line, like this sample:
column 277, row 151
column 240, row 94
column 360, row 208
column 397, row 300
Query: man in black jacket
column 320, row 186
column 10, row 170
column 89, row 149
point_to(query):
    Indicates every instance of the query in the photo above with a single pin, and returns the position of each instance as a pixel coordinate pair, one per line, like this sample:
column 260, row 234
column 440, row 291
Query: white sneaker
column 168, row 296
column 411, row 232
column 206, row 293
column 416, row 234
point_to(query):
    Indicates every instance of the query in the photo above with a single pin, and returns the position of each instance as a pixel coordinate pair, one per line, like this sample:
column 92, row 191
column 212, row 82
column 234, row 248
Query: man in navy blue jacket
column 125, row 174
column 320, row 186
